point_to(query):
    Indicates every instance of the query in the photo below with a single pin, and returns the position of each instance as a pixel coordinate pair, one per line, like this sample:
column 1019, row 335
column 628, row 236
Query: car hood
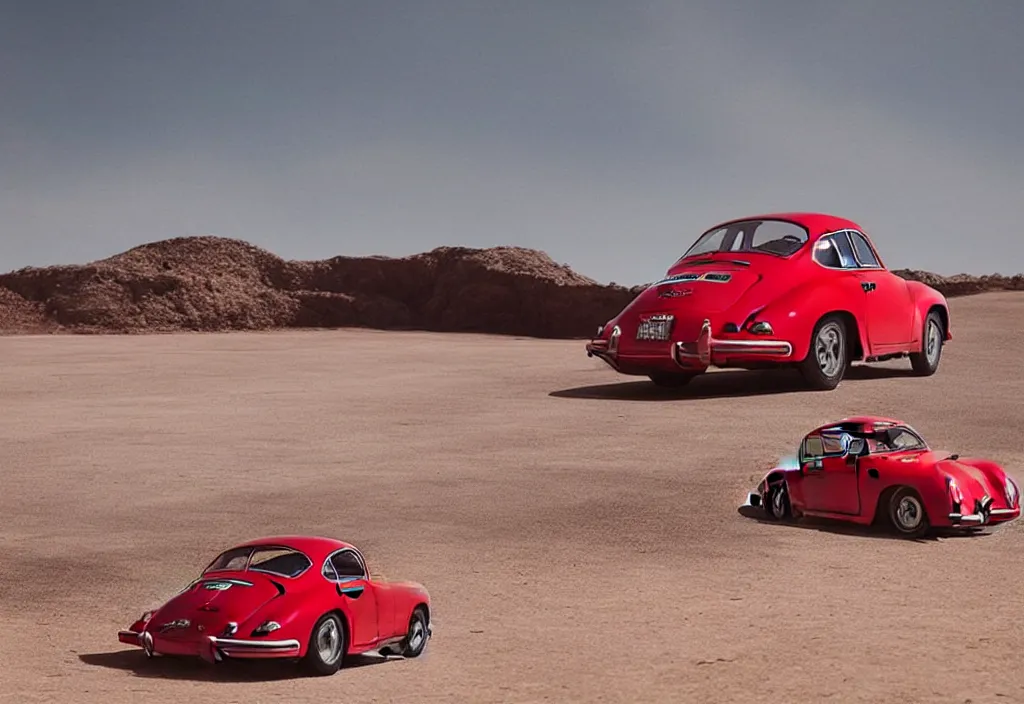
column 974, row 483
column 212, row 601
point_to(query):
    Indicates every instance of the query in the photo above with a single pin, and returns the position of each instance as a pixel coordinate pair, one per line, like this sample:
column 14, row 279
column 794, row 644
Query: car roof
column 816, row 223
column 859, row 420
column 316, row 547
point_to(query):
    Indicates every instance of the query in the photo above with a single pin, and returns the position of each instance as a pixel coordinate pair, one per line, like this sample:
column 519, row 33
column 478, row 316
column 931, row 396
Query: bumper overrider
column 983, row 514
column 212, row 648
column 703, row 352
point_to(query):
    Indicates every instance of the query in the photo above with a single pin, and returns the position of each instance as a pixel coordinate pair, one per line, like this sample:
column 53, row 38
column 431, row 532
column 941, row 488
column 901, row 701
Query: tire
column 776, row 502
column 926, row 362
column 416, row 638
column 327, row 646
column 824, row 372
column 907, row 514
column 670, row 381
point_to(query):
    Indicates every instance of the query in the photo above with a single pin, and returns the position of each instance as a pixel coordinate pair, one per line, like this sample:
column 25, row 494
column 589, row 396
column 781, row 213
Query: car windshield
column 285, row 562
column 776, row 237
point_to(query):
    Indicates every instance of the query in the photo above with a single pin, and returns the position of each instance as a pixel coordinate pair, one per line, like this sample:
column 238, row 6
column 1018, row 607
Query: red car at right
column 869, row 469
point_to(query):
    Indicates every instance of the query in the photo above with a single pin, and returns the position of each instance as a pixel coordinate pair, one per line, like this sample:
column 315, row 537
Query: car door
column 888, row 305
column 830, row 480
column 357, row 594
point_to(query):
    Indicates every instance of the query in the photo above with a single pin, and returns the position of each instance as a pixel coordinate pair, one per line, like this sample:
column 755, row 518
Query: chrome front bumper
column 983, row 514
column 982, row 518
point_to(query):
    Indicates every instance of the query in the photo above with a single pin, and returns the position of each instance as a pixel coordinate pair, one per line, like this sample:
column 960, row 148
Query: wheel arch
column 346, row 628
column 855, row 338
column 885, row 495
column 926, row 300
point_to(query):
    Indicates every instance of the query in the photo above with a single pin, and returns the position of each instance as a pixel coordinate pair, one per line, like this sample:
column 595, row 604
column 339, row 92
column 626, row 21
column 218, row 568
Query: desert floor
column 578, row 530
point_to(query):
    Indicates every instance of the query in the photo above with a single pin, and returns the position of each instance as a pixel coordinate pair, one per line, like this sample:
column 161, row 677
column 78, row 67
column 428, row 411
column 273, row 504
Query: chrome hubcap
column 416, row 635
column 777, row 503
column 933, row 342
column 828, row 347
column 909, row 513
column 328, row 641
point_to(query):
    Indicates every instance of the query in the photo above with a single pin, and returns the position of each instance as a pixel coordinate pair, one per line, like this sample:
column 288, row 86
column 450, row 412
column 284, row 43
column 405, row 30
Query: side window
column 347, row 565
column 834, row 251
column 864, row 252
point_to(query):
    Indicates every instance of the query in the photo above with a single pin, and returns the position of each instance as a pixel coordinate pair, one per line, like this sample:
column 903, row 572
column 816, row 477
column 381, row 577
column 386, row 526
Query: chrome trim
column 861, row 266
column 613, row 340
column 230, row 643
column 338, row 578
column 707, row 345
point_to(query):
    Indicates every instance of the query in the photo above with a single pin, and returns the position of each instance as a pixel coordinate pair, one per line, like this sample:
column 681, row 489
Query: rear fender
column 927, row 299
column 794, row 314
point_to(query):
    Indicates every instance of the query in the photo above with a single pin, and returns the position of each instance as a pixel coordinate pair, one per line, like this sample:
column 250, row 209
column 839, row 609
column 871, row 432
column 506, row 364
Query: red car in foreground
column 300, row 597
column 789, row 289
column 868, row 469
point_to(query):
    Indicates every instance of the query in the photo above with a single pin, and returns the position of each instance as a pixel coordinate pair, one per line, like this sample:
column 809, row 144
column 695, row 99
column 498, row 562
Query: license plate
column 657, row 328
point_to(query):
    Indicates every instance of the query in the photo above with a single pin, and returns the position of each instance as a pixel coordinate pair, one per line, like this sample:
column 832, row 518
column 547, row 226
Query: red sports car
column 867, row 469
column 299, row 597
column 799, row 289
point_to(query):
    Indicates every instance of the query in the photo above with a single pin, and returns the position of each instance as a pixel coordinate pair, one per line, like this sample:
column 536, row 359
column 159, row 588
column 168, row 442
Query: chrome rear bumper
column 693, row 355
column 707, row 346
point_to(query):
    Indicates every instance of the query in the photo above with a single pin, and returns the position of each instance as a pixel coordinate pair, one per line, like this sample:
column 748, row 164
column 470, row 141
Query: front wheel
column 416, row 638
column 907, row 514
column 776, row 502
column 326, row 646
column 826, row 361
column 925, row 362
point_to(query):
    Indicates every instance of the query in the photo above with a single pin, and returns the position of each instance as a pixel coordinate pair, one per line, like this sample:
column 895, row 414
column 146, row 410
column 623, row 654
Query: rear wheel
column 907, row 514
column 925, row 362
column 826, row 361
column 326, row 646
column 416, row 638
column 669, row 380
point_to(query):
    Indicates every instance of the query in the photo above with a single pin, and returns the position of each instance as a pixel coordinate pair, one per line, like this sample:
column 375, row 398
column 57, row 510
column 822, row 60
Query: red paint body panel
column 848, row 488
column 791, row 292
column 376, row 613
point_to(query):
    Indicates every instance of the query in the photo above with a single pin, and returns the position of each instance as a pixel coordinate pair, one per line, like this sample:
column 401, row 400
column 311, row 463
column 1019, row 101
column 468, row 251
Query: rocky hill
column 213, row 283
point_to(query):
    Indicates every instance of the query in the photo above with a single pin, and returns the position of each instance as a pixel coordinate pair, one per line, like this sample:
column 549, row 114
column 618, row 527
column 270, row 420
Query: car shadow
column 187, row 668
column 824, row 525
column 721, row 384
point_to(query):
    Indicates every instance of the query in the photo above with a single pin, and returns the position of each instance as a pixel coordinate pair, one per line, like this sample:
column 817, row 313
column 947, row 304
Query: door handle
column 868, row 286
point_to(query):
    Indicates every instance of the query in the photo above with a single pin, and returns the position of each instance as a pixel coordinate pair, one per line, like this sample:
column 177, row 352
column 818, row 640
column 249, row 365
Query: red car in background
column 796, row 289
column 870, row 469
column 301, row 597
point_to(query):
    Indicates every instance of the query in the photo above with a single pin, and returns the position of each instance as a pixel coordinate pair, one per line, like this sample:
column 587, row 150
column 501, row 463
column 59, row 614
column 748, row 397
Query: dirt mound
column 964, row 284
column 214, row 283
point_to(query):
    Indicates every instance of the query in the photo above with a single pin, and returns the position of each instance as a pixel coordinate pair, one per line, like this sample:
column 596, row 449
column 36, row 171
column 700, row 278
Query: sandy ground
column 578, row 530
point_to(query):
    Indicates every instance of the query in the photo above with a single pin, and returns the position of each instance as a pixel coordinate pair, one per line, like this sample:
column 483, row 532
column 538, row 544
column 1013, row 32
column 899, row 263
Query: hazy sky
column 608, row 133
